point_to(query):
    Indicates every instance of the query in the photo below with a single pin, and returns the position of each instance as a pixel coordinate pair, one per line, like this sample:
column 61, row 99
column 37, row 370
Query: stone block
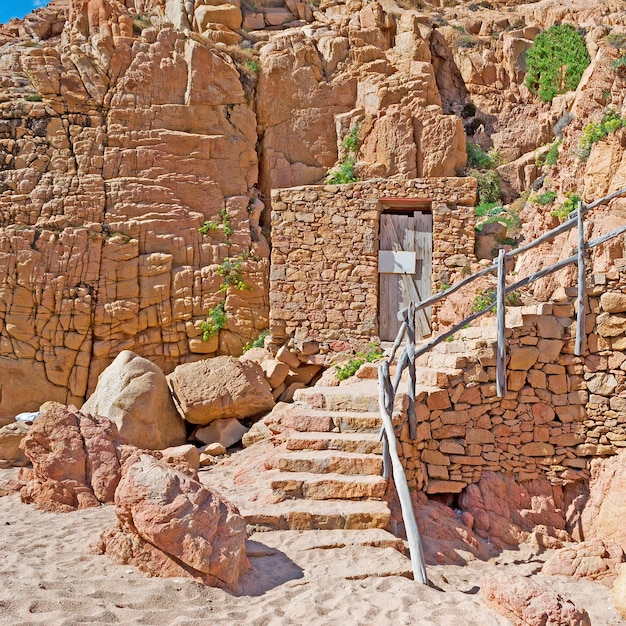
column 434, row 457
column 613, row 302
column 570, row 413
column 548, row 327
column 438, row 400
column 479, row 435
column 445, row 486
column 523, row 358
column 537, row 448
column 439, row 472
column 549, row 350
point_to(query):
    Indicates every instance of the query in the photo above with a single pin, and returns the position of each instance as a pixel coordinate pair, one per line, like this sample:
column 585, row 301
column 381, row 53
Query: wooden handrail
column 388, row 389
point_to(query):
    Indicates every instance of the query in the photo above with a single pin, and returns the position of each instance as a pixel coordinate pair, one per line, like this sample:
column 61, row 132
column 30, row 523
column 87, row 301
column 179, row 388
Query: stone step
column 302, row 418
column 268, row 542
column 329, row 486
column 317, row 515
column 330, row 461
column 427, row 376
column 360, row 397
column 364, row 443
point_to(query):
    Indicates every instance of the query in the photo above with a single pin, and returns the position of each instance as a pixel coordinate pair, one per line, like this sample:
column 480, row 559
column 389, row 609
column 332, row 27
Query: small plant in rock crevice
column 231, row 274
column 569, row 205
column 486, row 297
column 373, row 352
column 345, row 173
column 213, row 225
column 597, row 131
column 546, row 198
column 259, row 342
column 215, row 321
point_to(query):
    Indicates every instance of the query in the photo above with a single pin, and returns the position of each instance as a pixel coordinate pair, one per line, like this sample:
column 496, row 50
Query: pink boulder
column 75, row 465
column 508, row 512
column 171, row 525
column 593, row 560
column 605, row 510
column 527, row 603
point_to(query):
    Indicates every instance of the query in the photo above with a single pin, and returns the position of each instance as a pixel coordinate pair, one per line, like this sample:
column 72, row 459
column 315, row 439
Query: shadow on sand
column 269, row 568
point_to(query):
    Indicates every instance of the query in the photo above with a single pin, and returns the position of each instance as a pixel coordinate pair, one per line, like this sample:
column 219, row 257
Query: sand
column 48, row 577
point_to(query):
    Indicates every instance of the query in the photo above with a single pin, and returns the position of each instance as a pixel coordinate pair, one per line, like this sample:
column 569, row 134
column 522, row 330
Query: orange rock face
column 127, row 140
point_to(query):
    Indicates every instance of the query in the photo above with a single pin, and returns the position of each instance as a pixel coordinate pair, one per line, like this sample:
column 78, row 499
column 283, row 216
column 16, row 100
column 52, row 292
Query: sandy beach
column 47, row 576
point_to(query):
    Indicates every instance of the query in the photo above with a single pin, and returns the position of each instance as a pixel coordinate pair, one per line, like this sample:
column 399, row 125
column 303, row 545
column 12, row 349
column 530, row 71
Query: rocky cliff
column 139, row 141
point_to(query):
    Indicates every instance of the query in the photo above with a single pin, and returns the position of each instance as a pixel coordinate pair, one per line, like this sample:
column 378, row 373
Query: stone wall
column 560, row 411
column 324, row 272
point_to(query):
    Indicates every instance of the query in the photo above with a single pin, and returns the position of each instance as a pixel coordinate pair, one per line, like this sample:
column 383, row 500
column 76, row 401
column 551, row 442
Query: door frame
column 402, row 206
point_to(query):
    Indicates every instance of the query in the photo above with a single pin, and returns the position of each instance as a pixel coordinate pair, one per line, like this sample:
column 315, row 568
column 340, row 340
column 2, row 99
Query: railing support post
column 501, row 321
column 399, row 477
column 580, row 317
column 411, row 355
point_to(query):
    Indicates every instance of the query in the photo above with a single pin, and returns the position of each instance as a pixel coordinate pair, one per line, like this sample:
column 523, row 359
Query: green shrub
column 616, row 40
column 33, row 98
column 488, row 186
column 344, row 173
column 552, row 155
column 619, row 65
column 570, row 204
column 215, row 321
column 478, row 158
column 211, row 225
column 208, row 226
column 506, row 215
column 546, row 198
column 556, row 61
column 597, row 131
column 373, row 352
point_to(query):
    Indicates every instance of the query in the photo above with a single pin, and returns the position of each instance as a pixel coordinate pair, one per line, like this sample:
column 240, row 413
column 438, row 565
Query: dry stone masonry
column 560, row 412
column 324, row 274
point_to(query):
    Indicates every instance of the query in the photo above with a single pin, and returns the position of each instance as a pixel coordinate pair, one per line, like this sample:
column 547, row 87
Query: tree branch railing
column 388, row 388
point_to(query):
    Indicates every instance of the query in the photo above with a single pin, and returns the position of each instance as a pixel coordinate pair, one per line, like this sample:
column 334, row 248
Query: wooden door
column 405, row 268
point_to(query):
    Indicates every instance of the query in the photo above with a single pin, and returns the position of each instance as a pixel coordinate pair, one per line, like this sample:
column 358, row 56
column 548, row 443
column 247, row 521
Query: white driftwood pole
column 501, row 325
column 399, row 478
column 580, row 317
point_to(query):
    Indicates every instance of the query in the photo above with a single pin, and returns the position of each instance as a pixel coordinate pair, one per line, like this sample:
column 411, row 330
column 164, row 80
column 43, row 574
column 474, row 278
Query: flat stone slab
column 325, row 461
column 329, row 486
column 364, row 443
column 327, row 539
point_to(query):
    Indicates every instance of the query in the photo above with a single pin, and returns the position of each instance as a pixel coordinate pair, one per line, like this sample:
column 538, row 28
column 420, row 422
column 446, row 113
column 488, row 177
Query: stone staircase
column 329, row 473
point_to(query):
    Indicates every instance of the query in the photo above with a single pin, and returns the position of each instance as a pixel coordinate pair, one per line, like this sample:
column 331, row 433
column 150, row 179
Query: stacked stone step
column 330, row 475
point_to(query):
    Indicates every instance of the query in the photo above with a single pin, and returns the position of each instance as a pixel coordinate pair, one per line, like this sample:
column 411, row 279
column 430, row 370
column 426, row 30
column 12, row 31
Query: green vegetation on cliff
column 556, row 61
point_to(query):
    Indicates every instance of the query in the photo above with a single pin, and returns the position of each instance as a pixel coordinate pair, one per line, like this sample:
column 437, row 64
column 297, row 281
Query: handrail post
column 501, row 387
column 411, row 355
column 399, row 478
column 580, row 317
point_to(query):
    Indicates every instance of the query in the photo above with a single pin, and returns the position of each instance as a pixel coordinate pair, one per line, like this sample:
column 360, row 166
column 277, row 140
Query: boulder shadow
column 269, row 568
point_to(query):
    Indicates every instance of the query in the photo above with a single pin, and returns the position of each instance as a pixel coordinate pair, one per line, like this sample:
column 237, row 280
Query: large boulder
column 171, row 525
column 220, row 388
column 528, row 603
column 133, row 393
column 11, row 455
column 75, row 463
